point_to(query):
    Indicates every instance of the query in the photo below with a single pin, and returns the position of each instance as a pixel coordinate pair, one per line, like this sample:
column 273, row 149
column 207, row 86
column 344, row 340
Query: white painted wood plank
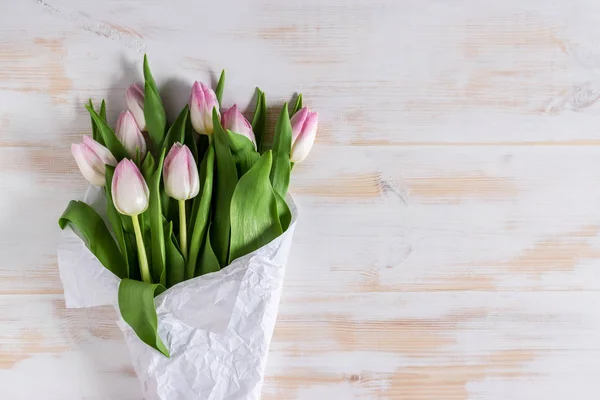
column 448, row 241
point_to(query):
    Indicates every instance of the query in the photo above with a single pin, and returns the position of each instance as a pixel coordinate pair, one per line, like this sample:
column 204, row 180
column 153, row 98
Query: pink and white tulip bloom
column 130, row 135
column 135, row 104
column 181, row 173
column 304, row 130
column 92, row 158
column 233, row 120
column 202, row 101
column 129, row 190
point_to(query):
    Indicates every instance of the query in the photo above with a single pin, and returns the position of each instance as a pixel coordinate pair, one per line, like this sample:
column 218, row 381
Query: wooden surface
column 449, row 240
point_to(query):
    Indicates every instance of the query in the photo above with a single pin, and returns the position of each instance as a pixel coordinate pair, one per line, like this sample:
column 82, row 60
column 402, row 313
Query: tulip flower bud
column 129, row 190
column 233, row 120
column 304, row 131
column 130, row 135
column 181, row 173
column 202, row 101
column 92, row 158
column 135, row 104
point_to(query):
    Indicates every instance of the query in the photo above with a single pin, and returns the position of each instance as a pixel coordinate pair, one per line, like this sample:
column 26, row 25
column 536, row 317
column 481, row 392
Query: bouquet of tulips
column 186, row 229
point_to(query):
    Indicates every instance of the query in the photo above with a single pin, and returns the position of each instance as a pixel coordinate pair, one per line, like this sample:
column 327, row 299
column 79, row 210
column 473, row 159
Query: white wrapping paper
column 217, row 327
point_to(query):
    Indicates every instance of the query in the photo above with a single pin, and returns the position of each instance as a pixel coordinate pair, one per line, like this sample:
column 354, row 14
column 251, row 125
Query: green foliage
column 259, row 121
column 254, row 218
column 200, row 216
column 175, row 260
column 108, row 136
column 156, row 226
column 96, row 235
column 136, row 303
column 225, row 181
column 220, row 87
column 282, row 145
column 298, row 104
column 154, row 111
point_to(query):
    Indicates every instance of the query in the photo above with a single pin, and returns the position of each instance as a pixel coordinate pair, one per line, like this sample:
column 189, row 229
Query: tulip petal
column 129, row 190
column 180, row 173
column 130, row 135
column 194, row 179
column 297, row 122
column 234, row 121
column 102, row 152
column 202, row 101
column 135, row 104
column 92, row 158
column 304, row 141
column 88, row 163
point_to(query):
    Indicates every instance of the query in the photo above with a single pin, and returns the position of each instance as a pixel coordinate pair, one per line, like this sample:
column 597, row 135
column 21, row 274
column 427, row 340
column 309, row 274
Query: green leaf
column 147, row 238
column 96, row 235
column 254, row 217
column 169, row 208
column 243, row 152
column 148, row 78
column 156, row 225
column 226, row 179
column 136, row 303
column 154, row 112
column 108, row 135
column 175, row 260
column 145, row 224
column 191, row 139
column 127, row 224
column 259, row 121
column 134, row 270
column 115, row 218
column 199, row 220
column 148, row 167
column 285, row 215
column 176, row 132
column 282, row 145
column 202, row 177
column 138, row 157
column 208, row 260
column 103, row 110
column 220, row 87
column 95, row 133
column 202, row 145
column 144, row 219
column 298, row 104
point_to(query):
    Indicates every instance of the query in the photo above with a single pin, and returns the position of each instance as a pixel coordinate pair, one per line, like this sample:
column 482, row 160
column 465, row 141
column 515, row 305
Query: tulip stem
column 182, row 229
column 144, row 270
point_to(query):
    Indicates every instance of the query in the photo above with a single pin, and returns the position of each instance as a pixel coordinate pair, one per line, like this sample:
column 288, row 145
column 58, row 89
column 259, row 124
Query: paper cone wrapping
column 217, row 327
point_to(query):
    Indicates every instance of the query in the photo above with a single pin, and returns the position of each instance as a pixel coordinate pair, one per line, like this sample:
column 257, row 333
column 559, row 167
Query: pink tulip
column 130, row 135
column 135, row 104
column 304, row 130
column 180, row 173
column 233, row 120
column 202, row 101
column 129, row 190
column 92, row 158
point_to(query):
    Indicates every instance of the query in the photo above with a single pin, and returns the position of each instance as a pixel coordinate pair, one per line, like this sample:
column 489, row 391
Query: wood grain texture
column 449, row 236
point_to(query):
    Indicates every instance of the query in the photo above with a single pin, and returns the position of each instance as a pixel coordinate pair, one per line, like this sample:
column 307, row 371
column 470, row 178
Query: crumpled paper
column 217, row 327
